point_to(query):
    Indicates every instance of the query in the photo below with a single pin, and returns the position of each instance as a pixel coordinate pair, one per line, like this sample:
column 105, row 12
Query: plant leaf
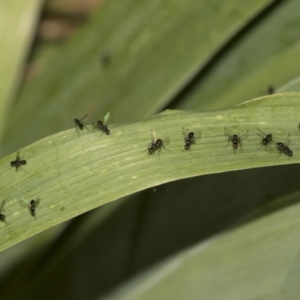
column 147, row 48
column 17, row 20
column 73, row 174
column 256, row 261
column 249, row 67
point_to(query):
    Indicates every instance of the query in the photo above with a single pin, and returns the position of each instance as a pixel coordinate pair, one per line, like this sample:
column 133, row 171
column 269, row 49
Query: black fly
column 271, row 90
column 32, row 205
column 235, row 139
column 79, row 124
column 156, row 144
column 284, row 148
column 18, row 162
column 266, row 138
column 189, row 138
column 103, row 125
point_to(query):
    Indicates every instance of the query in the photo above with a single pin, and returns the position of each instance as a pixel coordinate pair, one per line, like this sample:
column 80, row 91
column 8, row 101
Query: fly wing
column 243, row 133
column 2, row 205
column 153, row 136
column 37, row 202
column 84, row 117
column 287, row 139
column 184, row 133
column 106, row 118
column 226, row 133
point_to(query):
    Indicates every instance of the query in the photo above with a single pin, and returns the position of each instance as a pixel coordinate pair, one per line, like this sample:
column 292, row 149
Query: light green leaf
column 17, row 20
column 292, row 86
column 73, row 174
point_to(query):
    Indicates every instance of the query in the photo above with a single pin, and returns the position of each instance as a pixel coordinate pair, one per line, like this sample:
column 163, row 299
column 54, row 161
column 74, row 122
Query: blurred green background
column 63, row 59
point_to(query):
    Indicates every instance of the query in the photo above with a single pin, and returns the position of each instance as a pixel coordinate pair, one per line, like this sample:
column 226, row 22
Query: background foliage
column 134, row 60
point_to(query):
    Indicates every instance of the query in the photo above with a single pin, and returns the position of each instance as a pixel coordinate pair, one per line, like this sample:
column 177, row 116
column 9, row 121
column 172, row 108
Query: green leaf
column 123, row 243
column 256, row 261
column 149, row 55
column 17, row 20
column 73, row 174
column 255, row 61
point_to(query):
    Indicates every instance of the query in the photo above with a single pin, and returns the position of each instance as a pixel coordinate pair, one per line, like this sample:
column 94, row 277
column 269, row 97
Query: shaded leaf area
column 263, row 56
column 43, row 254
column 122, row 54
column 143, row 231
column 17, row 22
column 256, row 261
column 69, row 159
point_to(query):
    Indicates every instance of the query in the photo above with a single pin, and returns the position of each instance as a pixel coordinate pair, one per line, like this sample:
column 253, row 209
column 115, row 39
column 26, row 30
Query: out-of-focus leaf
column 256, row 261
column 17, row 20
column 263, row 57
column 292, row 86
column 135, row 55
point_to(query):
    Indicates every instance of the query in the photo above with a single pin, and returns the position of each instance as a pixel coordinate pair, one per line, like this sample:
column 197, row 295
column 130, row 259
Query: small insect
column 271, row 90
column 189, row 138
column 235, row 139
column 32, row 205
column 152, row 145
column 79, row 124
column 266, row 138
column 284, row 148
column 18, row 162
column 103, row 125
column 156, row 144
column 105, row 59
column 2, row 216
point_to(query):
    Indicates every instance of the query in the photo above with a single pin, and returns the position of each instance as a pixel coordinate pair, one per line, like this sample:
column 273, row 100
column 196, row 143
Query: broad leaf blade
column 73, row 174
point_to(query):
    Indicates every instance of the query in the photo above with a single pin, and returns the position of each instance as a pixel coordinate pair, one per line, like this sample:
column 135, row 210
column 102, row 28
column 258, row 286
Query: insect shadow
column 236, row 140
